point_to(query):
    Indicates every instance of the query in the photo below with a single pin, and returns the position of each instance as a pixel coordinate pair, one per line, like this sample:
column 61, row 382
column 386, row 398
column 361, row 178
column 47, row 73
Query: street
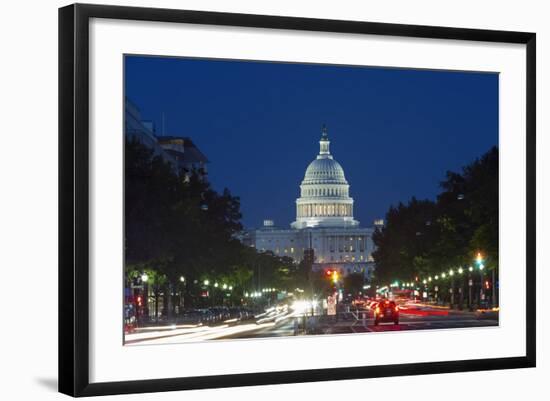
column 291, row 323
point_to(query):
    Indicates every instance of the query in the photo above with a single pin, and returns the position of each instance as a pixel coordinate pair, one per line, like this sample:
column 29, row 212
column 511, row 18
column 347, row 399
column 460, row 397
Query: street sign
column 331, row 305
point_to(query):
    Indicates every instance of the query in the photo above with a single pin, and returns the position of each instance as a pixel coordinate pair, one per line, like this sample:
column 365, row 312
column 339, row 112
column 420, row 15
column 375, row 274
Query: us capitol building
column 324, row 222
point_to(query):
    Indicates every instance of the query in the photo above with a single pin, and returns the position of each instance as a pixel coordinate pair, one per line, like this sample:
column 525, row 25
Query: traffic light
column 487, row 284
column 138, row 300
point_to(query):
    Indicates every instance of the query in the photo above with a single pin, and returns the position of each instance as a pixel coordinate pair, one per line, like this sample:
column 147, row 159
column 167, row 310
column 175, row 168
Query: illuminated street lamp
column 480, row 266
column 206, row 282
column 182, row 279
column 224, row 286
column 460, row 270
column 443, row 275
column 479, row 258
column 144, row 277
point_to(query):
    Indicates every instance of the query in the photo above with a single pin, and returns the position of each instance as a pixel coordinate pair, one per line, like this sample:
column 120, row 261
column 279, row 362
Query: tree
column 406, row 240
column 175, row 222
column 425, row 237
column 353, row 283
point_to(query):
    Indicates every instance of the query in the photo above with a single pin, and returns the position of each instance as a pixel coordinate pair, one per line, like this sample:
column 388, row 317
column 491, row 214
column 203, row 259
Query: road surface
column 291, row 324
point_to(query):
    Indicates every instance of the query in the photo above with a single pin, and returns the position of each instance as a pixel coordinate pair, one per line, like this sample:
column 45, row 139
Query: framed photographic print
column 250, row 199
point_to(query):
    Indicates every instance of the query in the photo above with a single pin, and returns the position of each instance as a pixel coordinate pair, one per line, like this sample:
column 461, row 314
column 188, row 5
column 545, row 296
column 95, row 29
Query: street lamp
column 479, row 258
column 481, row 266
column 452, row 289
column 182, row 279
column 206, row 282
column 144, row 277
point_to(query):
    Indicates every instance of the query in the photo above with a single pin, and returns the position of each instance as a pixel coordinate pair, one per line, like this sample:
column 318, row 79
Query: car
column 386, row 311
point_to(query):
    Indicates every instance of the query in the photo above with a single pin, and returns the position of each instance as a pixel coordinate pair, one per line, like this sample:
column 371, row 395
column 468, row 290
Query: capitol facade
column 324, row 222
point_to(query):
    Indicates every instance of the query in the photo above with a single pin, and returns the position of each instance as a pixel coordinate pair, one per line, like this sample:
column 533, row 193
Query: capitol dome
column 324, row 193
column 326, row 170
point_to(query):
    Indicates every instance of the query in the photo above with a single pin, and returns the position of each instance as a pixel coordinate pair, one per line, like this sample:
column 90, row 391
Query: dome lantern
column 324, row 143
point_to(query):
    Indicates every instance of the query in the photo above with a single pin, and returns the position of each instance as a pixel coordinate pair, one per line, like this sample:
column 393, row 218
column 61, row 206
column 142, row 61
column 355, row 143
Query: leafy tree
column 425, row 237
column 353, row 283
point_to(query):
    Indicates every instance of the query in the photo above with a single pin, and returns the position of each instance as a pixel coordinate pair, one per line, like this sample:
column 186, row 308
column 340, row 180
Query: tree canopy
column 177, row 225
column 425, row 237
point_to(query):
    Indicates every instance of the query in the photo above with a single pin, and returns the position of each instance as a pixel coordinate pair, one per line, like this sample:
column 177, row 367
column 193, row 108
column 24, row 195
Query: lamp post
column 451, row 290
column 182, row 294
column 470, row 284
column 480, row 266
column 481, row 290
column 461, row 289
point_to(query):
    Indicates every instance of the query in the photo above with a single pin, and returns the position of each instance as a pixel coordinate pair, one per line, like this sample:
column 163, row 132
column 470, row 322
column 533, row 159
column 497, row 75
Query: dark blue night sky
column 395, row 132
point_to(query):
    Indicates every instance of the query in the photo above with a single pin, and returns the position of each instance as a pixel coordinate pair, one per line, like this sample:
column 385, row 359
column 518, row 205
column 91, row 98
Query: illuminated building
column 324, row 222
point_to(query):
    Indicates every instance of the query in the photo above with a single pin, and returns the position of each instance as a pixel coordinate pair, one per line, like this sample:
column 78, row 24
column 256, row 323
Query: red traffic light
column 328, row 272
column 487, row 285
column 139, row 300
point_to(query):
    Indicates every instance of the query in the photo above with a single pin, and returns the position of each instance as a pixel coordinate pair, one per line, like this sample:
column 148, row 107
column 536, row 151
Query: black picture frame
column 74, row 198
